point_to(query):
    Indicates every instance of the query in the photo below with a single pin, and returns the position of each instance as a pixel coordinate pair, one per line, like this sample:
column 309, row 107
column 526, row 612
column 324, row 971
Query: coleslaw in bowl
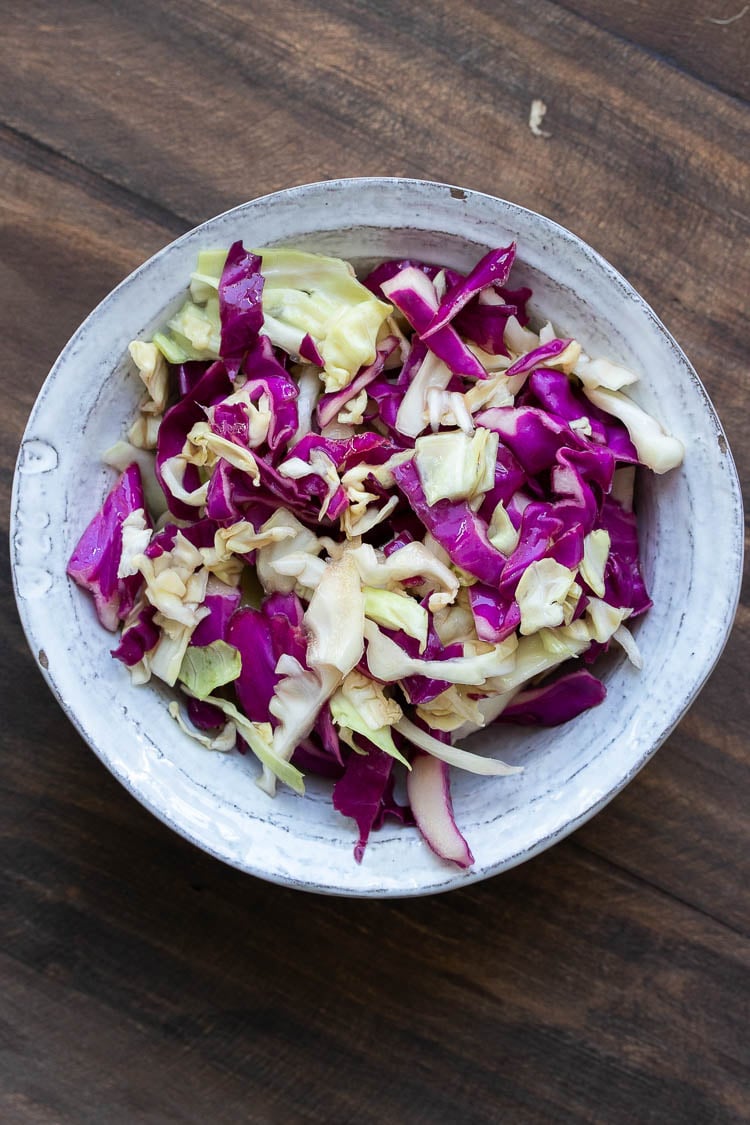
column 567, row 772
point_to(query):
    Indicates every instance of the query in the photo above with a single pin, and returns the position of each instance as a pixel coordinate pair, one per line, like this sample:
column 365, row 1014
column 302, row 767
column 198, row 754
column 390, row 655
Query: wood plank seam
column 643, row 881
column 145, row 207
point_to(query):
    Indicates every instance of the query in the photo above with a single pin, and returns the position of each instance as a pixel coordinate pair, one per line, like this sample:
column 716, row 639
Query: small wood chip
column 730, row 19
column 536, row 117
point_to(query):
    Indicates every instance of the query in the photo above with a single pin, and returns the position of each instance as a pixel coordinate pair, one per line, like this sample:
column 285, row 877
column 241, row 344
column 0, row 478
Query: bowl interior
column 690, row 523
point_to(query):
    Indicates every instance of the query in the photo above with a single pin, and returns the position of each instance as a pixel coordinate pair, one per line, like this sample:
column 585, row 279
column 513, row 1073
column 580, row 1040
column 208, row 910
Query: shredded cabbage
column 350, row 721
column 374, row 515
column 209, row 667
column 397, row 611
column 454, row 466
column 542, row 592
column 657, row 450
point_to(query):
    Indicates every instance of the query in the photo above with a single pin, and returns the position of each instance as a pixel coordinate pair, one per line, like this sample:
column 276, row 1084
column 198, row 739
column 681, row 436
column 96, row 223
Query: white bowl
column 690, row 520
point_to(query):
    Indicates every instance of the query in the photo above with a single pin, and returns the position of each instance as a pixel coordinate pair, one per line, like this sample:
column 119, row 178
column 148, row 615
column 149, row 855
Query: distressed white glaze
column 691, row 524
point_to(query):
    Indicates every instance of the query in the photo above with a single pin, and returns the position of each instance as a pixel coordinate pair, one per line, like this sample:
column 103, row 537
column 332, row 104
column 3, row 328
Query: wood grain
column 606, row 981
column 708, row 40
column 629, row 136
column 542, row 994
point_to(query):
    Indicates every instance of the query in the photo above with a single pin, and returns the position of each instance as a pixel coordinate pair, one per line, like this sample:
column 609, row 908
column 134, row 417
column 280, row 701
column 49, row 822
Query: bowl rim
column 457, row 878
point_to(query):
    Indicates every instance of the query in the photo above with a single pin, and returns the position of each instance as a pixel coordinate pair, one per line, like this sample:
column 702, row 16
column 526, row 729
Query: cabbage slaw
column 358, row 520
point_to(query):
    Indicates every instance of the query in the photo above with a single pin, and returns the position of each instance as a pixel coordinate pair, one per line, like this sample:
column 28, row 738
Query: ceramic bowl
column 690, row 520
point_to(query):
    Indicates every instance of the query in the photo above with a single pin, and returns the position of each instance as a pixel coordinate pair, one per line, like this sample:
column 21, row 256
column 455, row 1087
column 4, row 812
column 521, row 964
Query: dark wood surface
column 605, row 981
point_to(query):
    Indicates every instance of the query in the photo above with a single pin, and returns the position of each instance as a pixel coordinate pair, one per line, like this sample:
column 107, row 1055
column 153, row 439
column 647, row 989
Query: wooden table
column 607, row 980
